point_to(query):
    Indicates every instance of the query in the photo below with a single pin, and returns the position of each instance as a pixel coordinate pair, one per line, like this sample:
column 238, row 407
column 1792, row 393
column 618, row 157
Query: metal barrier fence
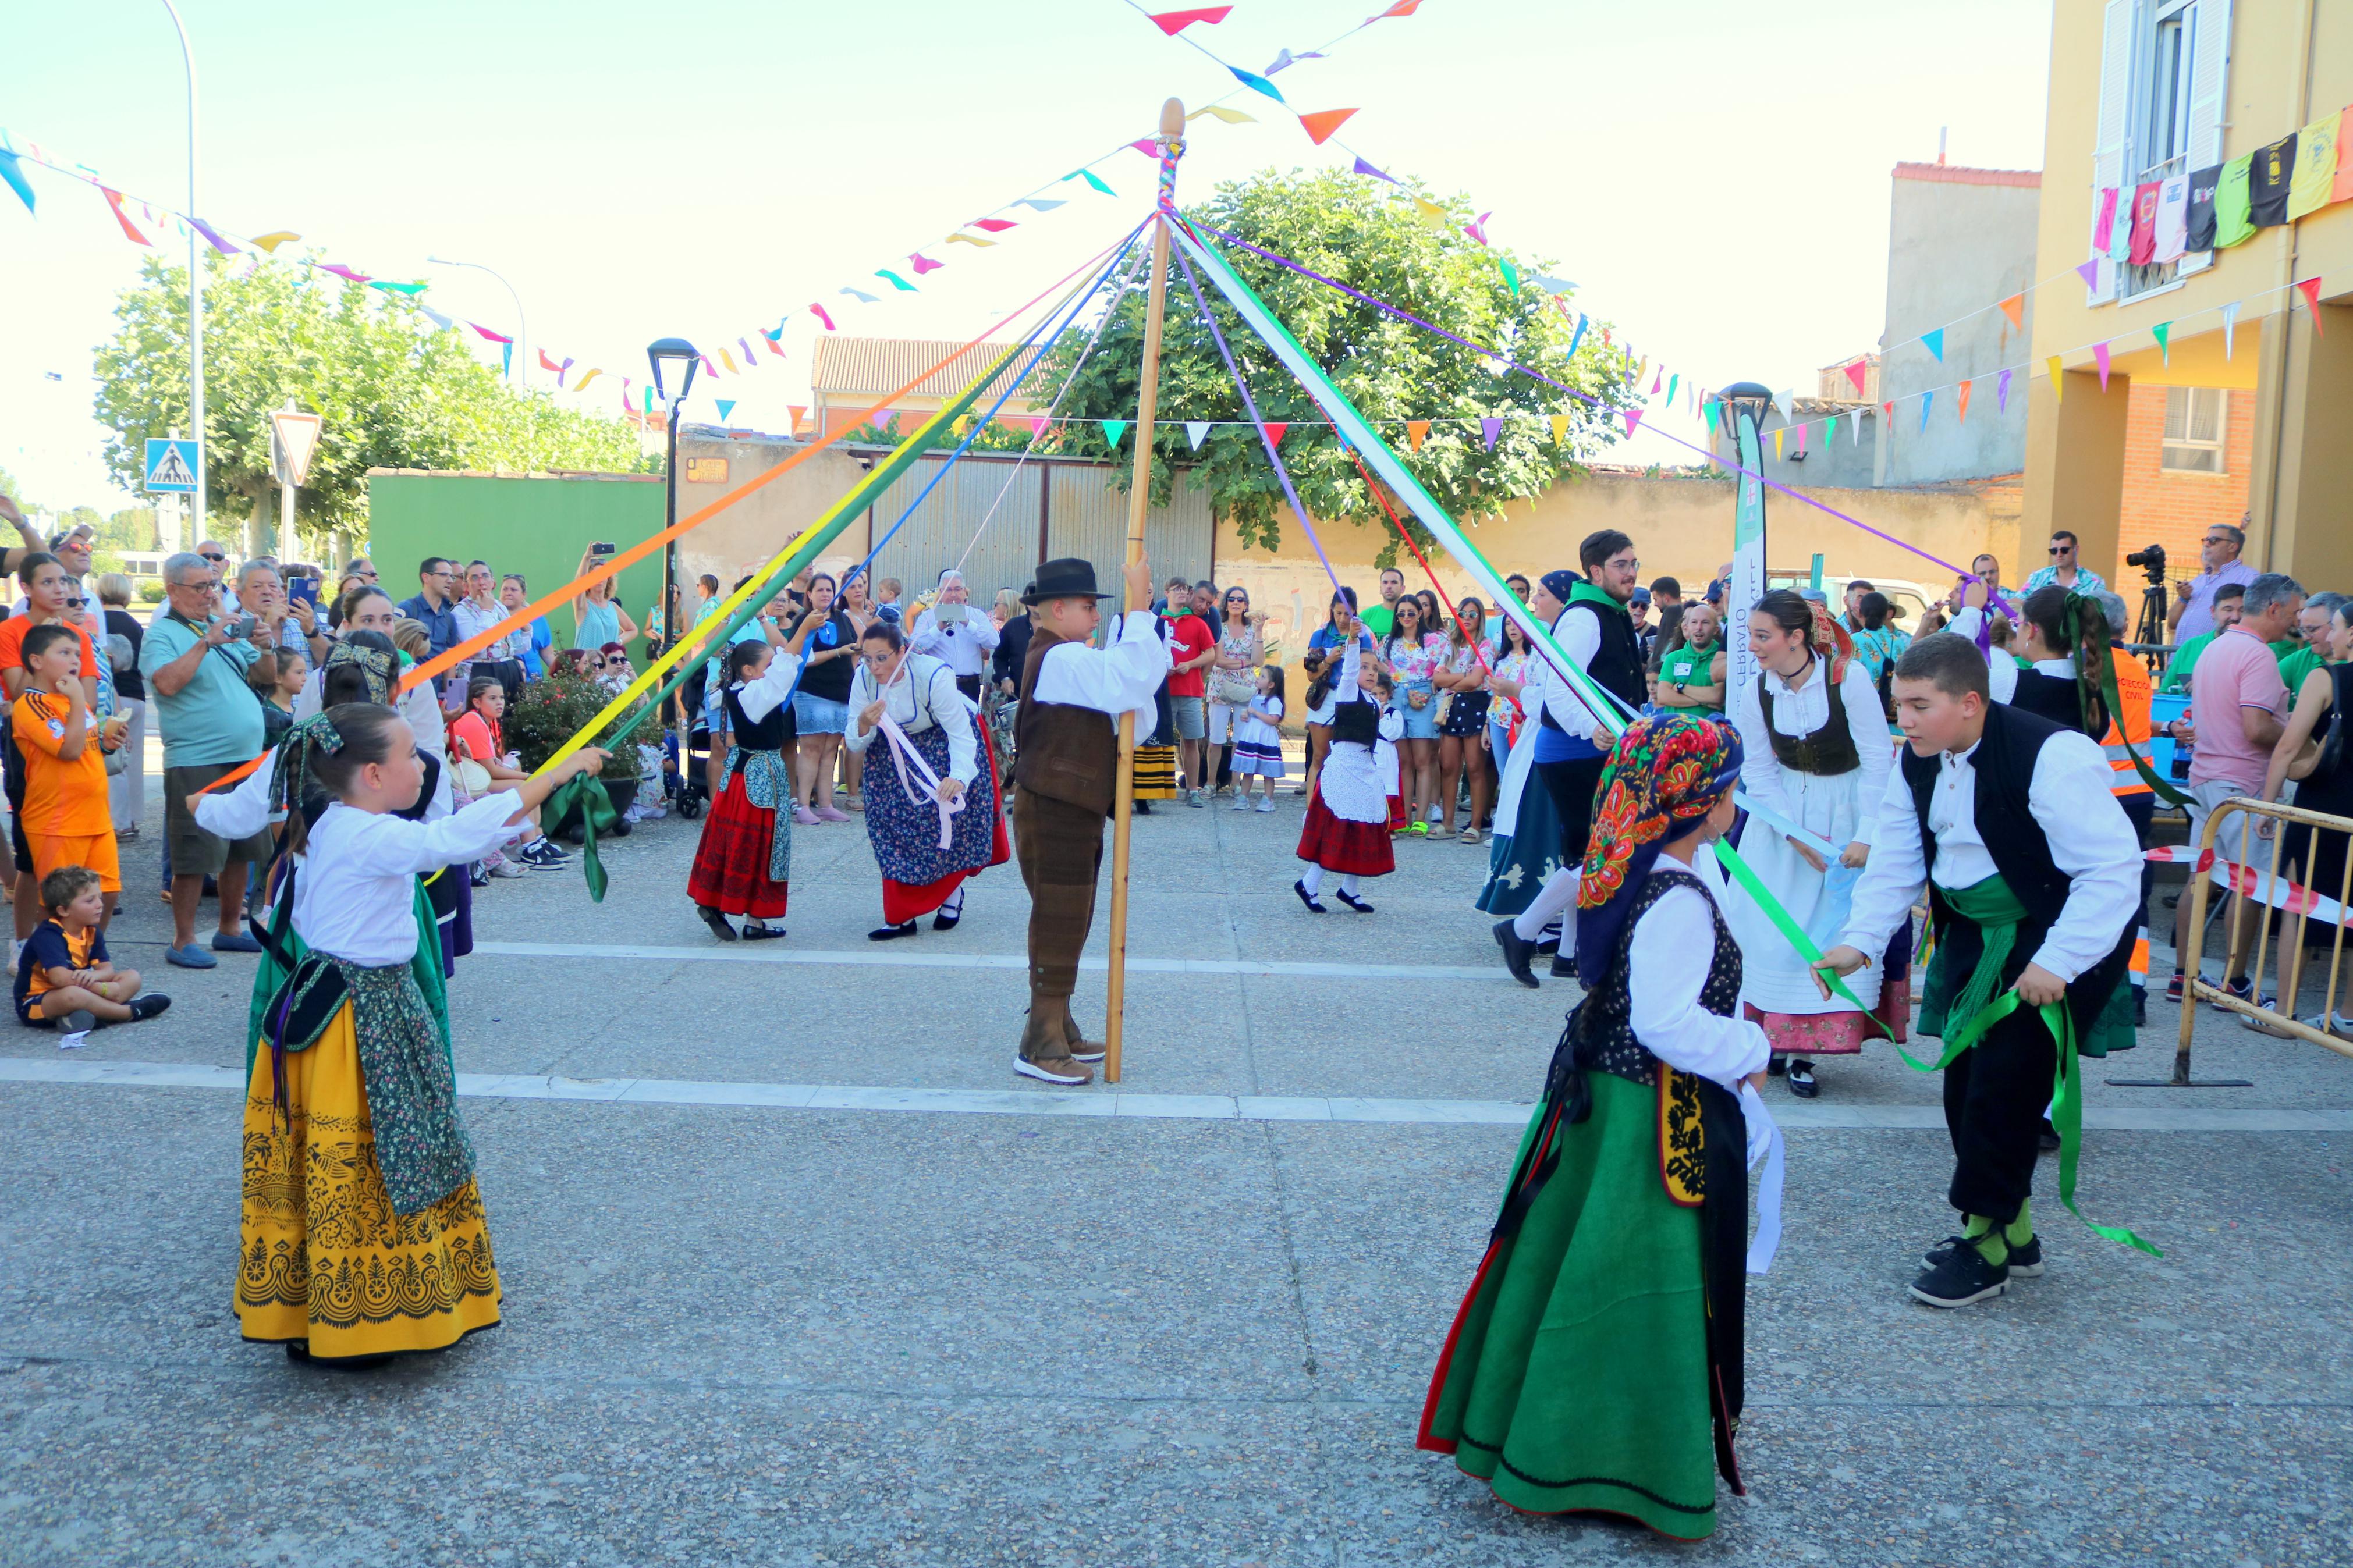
column 2276, row 887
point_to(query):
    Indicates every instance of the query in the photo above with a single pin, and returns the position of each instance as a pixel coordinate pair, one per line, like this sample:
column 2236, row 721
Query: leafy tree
column 132, row 528
column 1371, row 236
column 390, row 395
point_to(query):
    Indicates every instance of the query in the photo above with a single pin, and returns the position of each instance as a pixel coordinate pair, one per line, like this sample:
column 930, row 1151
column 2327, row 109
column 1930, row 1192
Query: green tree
column 390, row 391
column 132, row 528
column 1371, row 236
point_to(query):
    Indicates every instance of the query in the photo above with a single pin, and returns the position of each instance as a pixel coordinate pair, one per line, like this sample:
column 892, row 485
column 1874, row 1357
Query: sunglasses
column 215, row 560
column 2062, row 549
column 618, row 661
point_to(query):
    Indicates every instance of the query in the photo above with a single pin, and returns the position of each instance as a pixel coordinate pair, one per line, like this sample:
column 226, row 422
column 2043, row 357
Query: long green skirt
column 1577, row 1377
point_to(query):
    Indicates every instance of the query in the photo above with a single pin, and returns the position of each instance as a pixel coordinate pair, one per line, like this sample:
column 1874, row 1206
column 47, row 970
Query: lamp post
column 522, row 328
column 196, row 297
column 679, row 353
column 1745, row 404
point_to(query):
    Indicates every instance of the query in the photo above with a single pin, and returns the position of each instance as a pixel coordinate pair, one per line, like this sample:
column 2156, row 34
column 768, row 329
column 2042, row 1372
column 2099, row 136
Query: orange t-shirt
column 12, row 645
column 64, row 797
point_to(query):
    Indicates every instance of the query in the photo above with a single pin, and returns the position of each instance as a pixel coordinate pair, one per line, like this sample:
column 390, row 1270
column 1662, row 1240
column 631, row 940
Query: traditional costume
column 362, row 1232
column 1521, row 854
column 1595, row 1365
column 926, row 847
column 743, row 864
column 1817, row 759
column 1065, row 773
column 2027, row 859
column 1572, row 746
column 1348, row 816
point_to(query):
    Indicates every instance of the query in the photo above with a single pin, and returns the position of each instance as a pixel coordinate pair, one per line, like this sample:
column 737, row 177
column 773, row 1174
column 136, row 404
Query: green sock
column 2020, row 1231
column 1986, row 1236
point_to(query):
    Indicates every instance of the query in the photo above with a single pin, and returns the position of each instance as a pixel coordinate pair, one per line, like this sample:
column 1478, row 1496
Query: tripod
column 2150, row 628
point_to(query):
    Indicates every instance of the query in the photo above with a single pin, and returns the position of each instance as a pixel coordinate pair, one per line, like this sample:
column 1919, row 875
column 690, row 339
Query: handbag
column 1233, row 690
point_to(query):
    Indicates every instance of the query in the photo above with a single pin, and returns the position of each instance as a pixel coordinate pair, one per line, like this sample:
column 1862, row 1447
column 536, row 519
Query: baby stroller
column 686, row 751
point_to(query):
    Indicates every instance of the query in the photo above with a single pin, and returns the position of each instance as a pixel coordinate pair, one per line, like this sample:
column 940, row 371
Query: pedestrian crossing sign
column 171, row 465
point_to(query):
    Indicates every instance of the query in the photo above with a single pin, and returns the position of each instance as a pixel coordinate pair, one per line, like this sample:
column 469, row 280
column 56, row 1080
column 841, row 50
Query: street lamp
column 195, row 298
column 679, row 355
column 522, row 328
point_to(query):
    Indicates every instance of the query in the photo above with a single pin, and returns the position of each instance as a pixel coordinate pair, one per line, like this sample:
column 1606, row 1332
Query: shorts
column 814, row 715
column 195, row 852
column 1186, row 714
column 1224, row 719
column 1466, row 713
column 19, row 843
column 2204, row 800
column 1420, row 723
column 96, row 852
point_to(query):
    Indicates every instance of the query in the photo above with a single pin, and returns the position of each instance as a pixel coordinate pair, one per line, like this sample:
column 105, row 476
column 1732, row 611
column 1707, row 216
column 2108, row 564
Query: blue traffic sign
column 171, row 465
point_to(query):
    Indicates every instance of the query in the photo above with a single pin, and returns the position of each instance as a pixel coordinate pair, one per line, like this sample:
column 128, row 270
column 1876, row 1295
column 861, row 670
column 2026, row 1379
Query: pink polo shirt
column 2237, row 671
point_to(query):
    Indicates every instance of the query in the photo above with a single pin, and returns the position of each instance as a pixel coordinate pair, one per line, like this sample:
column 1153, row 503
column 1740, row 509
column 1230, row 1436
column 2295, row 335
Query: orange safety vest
column 2133, row 685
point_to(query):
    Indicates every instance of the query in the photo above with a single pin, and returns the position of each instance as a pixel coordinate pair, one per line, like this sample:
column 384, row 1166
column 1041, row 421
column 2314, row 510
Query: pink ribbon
column 903, row 752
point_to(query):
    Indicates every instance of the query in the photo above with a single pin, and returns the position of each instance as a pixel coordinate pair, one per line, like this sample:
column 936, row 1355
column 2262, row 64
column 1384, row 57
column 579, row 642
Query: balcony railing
column 2133, row 282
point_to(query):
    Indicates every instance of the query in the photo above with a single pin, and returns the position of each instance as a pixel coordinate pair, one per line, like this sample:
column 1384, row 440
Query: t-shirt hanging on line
column 2199, row 233
column 2268, row 182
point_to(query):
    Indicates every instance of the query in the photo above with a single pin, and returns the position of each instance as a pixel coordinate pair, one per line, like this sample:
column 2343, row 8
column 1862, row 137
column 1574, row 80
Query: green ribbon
column 2083, row 613
column 586, row 793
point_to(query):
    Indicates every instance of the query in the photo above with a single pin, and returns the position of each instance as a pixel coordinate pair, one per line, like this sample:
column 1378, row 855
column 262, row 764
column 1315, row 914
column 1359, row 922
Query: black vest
column 1829, row 750
column 2004, row 765
column 773, row 733
column 1356, row 719
column 1603, row 1025
column 1617, row 665
column 2055, row 698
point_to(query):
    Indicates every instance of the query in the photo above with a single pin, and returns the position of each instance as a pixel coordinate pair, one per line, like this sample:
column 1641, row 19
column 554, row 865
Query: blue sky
column 1713, row 175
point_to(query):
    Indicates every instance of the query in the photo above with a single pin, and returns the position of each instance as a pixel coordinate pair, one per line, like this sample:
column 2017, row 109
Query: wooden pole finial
column 1172, row 118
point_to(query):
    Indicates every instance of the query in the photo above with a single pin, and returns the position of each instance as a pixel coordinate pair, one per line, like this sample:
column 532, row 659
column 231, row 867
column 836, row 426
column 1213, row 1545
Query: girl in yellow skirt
column 362, row 1234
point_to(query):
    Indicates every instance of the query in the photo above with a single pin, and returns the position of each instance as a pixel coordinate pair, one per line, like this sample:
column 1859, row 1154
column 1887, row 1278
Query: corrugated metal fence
column 1002, row 521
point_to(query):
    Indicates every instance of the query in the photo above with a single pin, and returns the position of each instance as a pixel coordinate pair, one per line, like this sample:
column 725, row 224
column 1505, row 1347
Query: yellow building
column 2148, row 92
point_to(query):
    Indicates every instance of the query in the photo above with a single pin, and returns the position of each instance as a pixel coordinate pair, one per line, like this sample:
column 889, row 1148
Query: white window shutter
column 2209, row 25
column 2109, row 144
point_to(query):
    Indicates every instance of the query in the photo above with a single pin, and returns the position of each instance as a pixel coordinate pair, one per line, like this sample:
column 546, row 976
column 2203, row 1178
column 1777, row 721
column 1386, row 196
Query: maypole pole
column 1147, row 405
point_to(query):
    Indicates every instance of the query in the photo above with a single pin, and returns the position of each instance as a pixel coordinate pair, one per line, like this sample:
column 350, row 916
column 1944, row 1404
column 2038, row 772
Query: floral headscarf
column 1664, row 774
column 1830, row 640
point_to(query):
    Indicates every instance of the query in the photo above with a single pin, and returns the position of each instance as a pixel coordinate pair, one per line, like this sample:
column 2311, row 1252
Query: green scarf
column 1588, row 592
column 1994, row 910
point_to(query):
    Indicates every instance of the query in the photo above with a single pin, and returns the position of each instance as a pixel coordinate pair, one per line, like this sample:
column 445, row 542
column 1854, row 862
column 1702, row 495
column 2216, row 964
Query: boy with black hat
column 1065, row 771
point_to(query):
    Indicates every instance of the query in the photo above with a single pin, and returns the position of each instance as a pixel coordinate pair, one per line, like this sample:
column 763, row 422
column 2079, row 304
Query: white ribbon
column 1764, row 1132
column 1774, row 819
column 903, row 752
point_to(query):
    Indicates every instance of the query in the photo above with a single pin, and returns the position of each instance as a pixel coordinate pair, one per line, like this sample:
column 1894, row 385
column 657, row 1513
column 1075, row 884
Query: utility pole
column 196, row 298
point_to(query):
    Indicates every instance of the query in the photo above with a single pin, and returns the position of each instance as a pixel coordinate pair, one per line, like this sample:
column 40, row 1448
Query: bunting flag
column 1660, row 376
column 340, row 271
column 1579, row 336
column 773, row 334
column 818, row 312
column 724, row 358
column 1801, row 440
column 1284, row 58
column 1559, row 428
column 2001, row 394
column 1928, row 401
column 485, row 332
column 1552, row 285
column 1046, row 204
column 1364, row 168
column 1416, row 431
column 2100, row 357
column 1112, row 430
column 1321, row 125
column 744, row 343
column 1402, row 8
column 1175, row 22
column 1777, row 434
column 1489, row 428
column 2310, row 290
column 1673, row 382
column 1478, row 229
column 1829, row 431
column 775, row 347
column 581, row 383
column 270, row 242
column 997, row 224
column 962, row 425
column 436, row 318
column 1961, row 400
column 2229, row 326
column 15, row 175
column 2058, row 380
column 896, row 280
column 1935, row 344
column 2015, row 308
column 411, row 290
column 211, row 239
column 1196, row 432
column 797, row 410
column 1633, row 418
column 1887, row 412
column 131, row 232
column 726, row 406
column 1429, row 212
column 1258, row 83
column 1092, row 178
column 1511, row 273
column 1220, row 112
column 2089, row 271
column 547, row 363
column 961, row 238
column 1710, row 410
column 2163, row 334
column 1147, row 146
column 1275, row 429
column 860, row 295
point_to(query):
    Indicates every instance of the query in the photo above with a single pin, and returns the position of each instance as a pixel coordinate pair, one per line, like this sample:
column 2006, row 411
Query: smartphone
column 600, row 550
column 951, row 614
column 242, row 625
column 302, row 590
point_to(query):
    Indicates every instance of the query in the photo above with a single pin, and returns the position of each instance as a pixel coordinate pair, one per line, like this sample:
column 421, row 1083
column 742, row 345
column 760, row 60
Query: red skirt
column 1351, row 849
column 731, row 864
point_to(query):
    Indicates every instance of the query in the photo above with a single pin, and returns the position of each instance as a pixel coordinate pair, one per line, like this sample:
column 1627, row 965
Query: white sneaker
column 1266, row 802
column 1241, row 803
column 504, row 868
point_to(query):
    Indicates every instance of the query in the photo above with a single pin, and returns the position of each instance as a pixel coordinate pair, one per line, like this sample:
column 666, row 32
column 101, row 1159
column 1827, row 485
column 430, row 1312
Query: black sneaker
column 1960, row 1277
column 1516, row 955
column 1801, row 1079
column 147, row 1006
column 2025, row 1258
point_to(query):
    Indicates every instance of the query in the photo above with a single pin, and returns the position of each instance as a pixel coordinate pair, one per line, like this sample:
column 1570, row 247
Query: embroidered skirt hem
column 1351, row 849
column 731, row 864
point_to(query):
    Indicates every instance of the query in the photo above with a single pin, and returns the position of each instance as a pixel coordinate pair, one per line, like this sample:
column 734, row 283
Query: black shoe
column 147, row 1006
column 1142, row 808
column 1353, row 902
column 716, row 921
column 892, row 933
column 2049, row 1142
column 944, row 921
column 1776, row 1066
column 1548, row 946
column 2025, row 1257
column 1516, row 955
column 1307, row 898
column 1801, row 1079
column 757, row 930
column 1961, row 1277
column 1564, row 966
column 476, row 877
column 2140, row 1011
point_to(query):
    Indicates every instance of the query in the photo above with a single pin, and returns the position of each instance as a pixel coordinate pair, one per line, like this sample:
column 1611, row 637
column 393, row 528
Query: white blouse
column 768, row 692
column 964, row 646
column 923, row 693
column 1801, row 710
column 420, row 706
column 356, row 889
column 1122, row 678
column 1665, row 982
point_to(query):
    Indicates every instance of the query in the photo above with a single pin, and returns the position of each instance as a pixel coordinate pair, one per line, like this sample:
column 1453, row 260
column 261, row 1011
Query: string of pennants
column 1491, row 428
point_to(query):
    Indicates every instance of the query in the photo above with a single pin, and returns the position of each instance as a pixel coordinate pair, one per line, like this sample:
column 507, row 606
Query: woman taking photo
column 936, row 777
column 1412, row 654
column 1463, row 678
column 820, row 708
column 597, row 616
column 1233, row 683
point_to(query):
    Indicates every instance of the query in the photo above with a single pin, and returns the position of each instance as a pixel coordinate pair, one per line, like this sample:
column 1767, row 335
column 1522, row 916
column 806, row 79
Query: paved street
column 797, row 1272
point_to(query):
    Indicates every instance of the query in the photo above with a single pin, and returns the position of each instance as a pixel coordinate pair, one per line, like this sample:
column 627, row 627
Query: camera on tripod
column 2151, row 561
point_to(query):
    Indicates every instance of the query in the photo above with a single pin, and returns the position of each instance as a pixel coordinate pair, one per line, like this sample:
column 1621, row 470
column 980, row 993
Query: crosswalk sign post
column 173, row 465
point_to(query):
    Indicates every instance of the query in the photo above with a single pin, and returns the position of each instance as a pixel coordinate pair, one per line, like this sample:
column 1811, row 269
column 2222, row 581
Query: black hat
column 1071, row 577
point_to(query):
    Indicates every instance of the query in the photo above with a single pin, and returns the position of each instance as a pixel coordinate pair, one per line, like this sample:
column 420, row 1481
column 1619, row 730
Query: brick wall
column 2162, row 506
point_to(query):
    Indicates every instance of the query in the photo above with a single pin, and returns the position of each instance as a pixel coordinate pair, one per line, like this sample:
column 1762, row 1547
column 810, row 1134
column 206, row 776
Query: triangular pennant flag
column 992, row 225
column 1146, row 145
column 1489, row 428
column 411, row 290
column 1935, row 344
column 1429, row 212
column 896, row 282
column 211, row 239
column 1777, row 441
column 1829, row 431
column 547, row 363
column 1855, row 425
column 1633, row 418
column 2089, row 271
column 1560, row 428
column 1552, row 285
column 581, row 383
column 1928, row 401
column 1416, row 431
column 1478, row 230
column 724, row 358
column 2229, row 326
column 1196, row 432
column 436, row 318
column 2001, row 394
column 1364, row 168
column 1220, row 112
column 1887, row 412
column 744, row 343
column 970, row 239
column 923, row 264
column 963, row 423
column 1657, row 379
column 860, row 295
column 2163, row 334
column 2058, row 380
column 1092, row 178
column 340, row 271
column 270, row 242
column 1801, row 440
column 1175, row 22
column 1275, row 429
column 1285, row 58
column 2100, row 357
column 114, row 200
column 726, row 406
column 2310, row 288
column 506, row 359
column 2015, row 308
column 1511, row 273
column 1402, row 8
column 1321, row 125
column 1256, row 83
column 775, row 347
column 13, row 175
column 1787, row 399
column 1961, row 400
column 1112, row 430
column 1044, row 204
column 1579, row 336
column 797, row 410
column 1712, row 415
column 1673, row 382
column 485, row 332
column 818, row 312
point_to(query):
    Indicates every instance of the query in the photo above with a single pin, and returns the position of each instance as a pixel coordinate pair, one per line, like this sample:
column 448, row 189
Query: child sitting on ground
column 64, row 978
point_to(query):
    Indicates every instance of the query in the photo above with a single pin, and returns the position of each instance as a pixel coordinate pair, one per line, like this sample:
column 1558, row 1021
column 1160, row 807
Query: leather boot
column 1066, row 1028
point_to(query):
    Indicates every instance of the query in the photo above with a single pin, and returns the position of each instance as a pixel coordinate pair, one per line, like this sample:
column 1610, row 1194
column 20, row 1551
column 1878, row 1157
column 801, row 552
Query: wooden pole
column 1147, row 405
